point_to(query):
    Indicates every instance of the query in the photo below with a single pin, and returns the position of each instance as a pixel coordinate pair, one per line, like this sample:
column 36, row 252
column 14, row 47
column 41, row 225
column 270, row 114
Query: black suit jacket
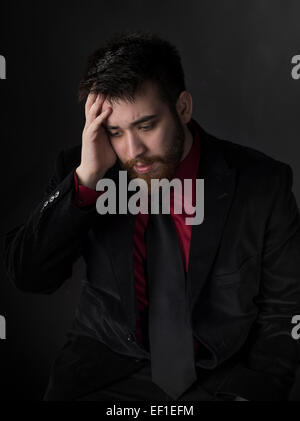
column 243, row 277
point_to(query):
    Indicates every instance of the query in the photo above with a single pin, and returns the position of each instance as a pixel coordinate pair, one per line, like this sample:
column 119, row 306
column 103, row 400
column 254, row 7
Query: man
column 136, row 335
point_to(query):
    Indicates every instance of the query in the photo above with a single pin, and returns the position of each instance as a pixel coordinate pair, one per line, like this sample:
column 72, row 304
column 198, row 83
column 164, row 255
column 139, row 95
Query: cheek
column 118, row 147
column 156, row 142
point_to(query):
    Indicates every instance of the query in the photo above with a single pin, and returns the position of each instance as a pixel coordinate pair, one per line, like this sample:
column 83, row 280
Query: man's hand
column 97, row 154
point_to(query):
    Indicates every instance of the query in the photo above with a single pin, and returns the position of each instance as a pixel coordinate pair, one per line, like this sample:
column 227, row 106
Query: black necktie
column 170, row 334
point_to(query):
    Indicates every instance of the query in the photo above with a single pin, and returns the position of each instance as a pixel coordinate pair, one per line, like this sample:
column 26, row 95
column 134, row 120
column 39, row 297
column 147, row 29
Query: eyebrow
column 134, row 123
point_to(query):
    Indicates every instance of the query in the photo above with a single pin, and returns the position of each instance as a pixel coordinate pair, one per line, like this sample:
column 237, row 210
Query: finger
column 101, row 118
column 89, row 102
column 95, row 109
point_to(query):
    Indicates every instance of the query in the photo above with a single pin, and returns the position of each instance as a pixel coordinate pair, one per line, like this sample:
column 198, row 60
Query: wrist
column 87, row 178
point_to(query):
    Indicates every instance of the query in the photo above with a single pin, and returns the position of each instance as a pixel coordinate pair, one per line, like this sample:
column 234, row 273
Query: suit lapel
column 121, row 252
column 122, row 256
column 219, row 184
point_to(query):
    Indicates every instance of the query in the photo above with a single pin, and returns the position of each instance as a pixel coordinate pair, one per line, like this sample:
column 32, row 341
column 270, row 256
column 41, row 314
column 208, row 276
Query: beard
column 167, row 163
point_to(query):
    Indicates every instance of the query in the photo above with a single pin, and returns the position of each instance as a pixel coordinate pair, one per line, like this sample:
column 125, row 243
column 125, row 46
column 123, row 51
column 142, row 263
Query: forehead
column 147, row 101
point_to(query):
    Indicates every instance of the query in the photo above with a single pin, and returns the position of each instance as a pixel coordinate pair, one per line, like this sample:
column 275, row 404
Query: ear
column 184, row 106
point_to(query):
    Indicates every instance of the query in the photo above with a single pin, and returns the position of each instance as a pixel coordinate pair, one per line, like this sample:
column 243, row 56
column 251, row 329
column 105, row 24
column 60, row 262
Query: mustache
column 144, row 161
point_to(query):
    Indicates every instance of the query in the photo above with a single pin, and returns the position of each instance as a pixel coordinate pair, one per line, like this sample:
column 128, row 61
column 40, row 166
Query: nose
column 135, row 146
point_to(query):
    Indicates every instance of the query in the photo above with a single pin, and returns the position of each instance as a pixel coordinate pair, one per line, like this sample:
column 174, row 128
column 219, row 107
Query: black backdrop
column 237, row 57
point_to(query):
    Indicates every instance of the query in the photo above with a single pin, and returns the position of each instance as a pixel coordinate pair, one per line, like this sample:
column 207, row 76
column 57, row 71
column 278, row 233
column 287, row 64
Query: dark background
column 237, row 58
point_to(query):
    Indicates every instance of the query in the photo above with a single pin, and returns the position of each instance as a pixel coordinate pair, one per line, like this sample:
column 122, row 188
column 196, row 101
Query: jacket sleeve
column 39, row 254
column 273, row 355
column 84, row 196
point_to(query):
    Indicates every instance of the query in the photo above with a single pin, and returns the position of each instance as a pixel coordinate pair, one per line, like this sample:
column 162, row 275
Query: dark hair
column 126, row 61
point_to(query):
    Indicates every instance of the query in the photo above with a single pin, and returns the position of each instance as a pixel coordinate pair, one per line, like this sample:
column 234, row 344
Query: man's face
column 147, row 138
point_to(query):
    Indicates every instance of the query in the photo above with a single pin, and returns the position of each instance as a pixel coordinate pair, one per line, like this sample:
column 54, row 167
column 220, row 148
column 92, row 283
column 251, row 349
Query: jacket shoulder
column 249, row 160
column 258, row 174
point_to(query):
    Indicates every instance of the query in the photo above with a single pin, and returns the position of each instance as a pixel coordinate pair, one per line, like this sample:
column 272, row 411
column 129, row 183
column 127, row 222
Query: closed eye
column 148, row 127
column 144, row 128
column 112, row 134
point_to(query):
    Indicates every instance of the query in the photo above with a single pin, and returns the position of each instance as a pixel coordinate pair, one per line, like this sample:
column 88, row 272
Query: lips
column 142, row 169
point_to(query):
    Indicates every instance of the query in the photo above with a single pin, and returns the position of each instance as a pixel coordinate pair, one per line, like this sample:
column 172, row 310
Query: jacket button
column 56, row 194
column 130, row 337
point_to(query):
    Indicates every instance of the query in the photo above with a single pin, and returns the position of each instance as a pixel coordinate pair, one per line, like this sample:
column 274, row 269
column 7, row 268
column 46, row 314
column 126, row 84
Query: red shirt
column 187, row 169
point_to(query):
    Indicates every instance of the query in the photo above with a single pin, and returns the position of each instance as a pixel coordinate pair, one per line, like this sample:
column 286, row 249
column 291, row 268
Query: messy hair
column 119, row 68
